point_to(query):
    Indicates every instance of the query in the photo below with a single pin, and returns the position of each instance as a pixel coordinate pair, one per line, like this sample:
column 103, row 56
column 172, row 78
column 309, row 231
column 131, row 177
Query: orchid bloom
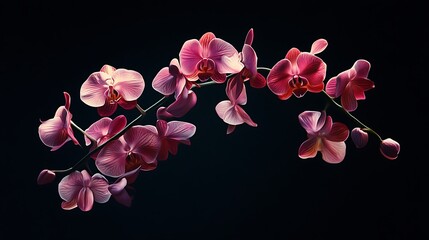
column 172, row 134
column 351, row 85
column 170, row 80
column 110, row 87
column 230, row 110
column 138, row 147
column 324, row 136
column 55, row 132
column 104, row 129
column 298, row 72
column 79, row 189
column 249, row 59
column 209, row 57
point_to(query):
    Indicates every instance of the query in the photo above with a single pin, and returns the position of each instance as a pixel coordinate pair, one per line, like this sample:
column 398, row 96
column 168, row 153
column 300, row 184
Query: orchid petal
column 278, row 77
column 93, row 89
column 318, row 46
column 99, row 186
column 179, row 130
column 339, row 132
column 333, row 152
column 85, row 199
column 70, row 185
column 111, row 159
column 309, row 148
column 312, row 68
column 189, row 55
column 129, row 84
column 359, row 137
column 164, row 82
column 362, row 68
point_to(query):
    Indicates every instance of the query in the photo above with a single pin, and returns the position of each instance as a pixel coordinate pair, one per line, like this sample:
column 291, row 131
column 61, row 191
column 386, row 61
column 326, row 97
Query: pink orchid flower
column 180, row 107
column 209, row 57
column 351, row 85
column 55, row 132
column 390, row 148
column 249, row 59
column 324, row 136
column 104, row 129
column 137, row 147
column 230, row 110
column 298, row 72
column 79, row 189
column 172, row 134
column 110, row 87
column 170, row 80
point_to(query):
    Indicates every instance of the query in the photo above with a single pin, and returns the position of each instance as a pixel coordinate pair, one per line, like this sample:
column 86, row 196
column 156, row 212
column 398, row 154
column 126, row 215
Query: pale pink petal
column 205, row 40
column 232, row 116
column 164, row 82
column 99, row 186
column 279, row 76
column 250, row 59
column 45, row 176
column 129, row 84
column 246, row 118
column 111, row 159
column 339, row 132
column 342, row 81
column 182, row 105
column 161, row 126
column 93, row 89
column 52, row 133
column 70, row 185
column 309, row 148
column 179, row 130
column 108, row 69
column 85, row 199
column 318, row 46
column 223, row 107
column 189, row 56
column 312, row 121
column 390, row 148
column 362, row 68
column 225, row 56
column 333, row 152
column 359, row 137
column 98, row 129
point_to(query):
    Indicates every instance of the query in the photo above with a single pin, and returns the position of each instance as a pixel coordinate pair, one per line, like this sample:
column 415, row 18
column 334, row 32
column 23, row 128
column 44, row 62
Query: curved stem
column 82, row 131
column 364, row 127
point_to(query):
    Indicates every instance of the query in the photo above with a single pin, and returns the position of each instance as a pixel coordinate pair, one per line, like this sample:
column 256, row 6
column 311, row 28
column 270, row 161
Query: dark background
column 247, row 185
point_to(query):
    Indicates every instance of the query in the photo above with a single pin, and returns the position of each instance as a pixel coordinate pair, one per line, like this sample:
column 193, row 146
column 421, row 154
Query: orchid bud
column 45, row 176
column 359, row 137
column 389, row 148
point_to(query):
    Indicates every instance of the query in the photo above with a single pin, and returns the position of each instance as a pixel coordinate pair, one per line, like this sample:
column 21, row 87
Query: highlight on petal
column 93, row 89
column 119, row 193
column 318, row 46
column 309, row 148
column 359, row 137
column 45, row 176
column 333, row 152
column 85, row 199
column 312, row 121
column 390, row 148
column 99, row 186
column 128, row 83
column 279, row 76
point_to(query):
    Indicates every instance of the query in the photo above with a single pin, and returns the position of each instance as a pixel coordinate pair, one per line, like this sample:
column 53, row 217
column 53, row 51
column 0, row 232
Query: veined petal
column 279, row 76
column 182, row 105
column 318, row 46
column 362, row 68
column 312, row 121
column 129, row 83
column 348, row 100
column 98, row 129
column 359, row 137
column 52, row 133
column 333, row 152
column 309, row 148
column 292, row 55
column 250, row 59
column 225, row 56
column 179, row 130
column 246, row 118
column 189, row 56
column 69, row 205
column 312, row 68
column 70, row 185
column 232, row 116
column 249, row 37
column 161, row 126
column 144, row 141
column 85, row 199
column 331, row 87
column 99, row 186
column 93, row 89
column 222, row 107
column 339, row 132
column 164, row 82
column 258, row 81
column 111, row 159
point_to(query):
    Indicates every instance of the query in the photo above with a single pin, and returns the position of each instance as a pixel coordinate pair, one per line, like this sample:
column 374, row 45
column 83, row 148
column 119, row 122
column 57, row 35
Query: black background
column 247, row 185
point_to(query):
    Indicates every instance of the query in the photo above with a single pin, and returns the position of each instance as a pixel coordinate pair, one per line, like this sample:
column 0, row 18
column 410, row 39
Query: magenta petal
column 98, row 129
column 278, row 77
column 359, row 137
column 333, row 152
column 331, row 87
column 225, row 56
column 249, row 37
column 390, row 148
column 312, row 121
column 362, row 68
column 182, row 105
column 69, row 205
column 144, row 141
column 189, row 56
column 119, row 193
column 309, row 148
column 161, row 126
column 312, row 68
column 129, row 84
column 250, row 59
column 111, row 159
column 45, row 176
column 52, row 134
column 339, row 132
column 348, row 100
column 85, row 199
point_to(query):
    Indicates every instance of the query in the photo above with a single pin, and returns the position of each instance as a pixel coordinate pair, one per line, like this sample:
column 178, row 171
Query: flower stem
column 82, row 131
column 364, row 127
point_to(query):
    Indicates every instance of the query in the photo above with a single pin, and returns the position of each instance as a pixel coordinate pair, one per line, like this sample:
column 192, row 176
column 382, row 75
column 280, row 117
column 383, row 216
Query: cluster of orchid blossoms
column 121, row 151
